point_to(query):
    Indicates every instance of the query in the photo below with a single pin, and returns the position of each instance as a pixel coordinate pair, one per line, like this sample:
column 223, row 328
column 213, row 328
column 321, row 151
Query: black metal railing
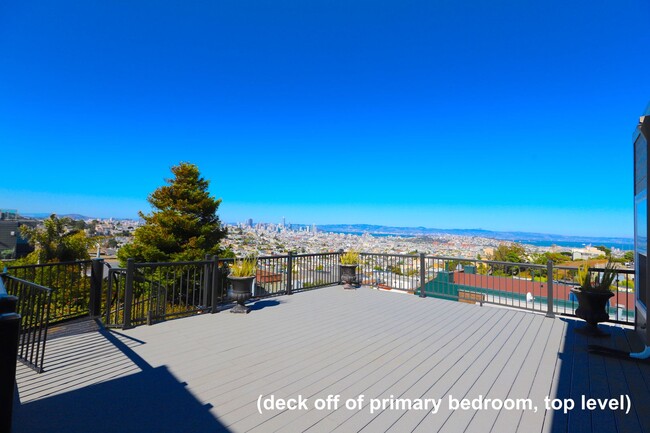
column 543, row 288
column 274, row 276
column 517, row 285
column 390, row 271
column 620, row 307
column 314, row 270
column 33, row 306
column 114, row 298
column 9, row 336
column 70, row 282
column 151, row 292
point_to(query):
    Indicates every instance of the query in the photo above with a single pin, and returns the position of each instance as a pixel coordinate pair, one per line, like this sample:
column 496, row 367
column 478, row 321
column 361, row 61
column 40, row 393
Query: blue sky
column 502, row 115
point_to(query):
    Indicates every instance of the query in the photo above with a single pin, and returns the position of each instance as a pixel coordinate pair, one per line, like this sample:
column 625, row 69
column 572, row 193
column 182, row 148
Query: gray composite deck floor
column 207, row 373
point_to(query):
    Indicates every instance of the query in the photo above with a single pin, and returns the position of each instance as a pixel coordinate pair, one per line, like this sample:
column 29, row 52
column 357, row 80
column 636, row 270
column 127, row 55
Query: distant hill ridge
column 506, row 236
column 422, row 231
column 74, row 216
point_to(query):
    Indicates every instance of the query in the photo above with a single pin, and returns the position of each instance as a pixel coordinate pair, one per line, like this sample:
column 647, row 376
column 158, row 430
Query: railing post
column 422, row 276
column 109, row 297
column 128, row 292
column 207, row 281
column 96, row 279
column 549, row 289
column 289, row 272
column 9, row 335
column 216, row 284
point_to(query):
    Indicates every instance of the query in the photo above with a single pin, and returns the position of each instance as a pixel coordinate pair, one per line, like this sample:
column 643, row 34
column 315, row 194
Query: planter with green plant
column 593, row 295
column 348, row 268
column 242, row 274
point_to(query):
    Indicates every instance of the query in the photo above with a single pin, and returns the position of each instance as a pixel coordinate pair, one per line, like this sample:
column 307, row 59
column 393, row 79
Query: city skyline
column 380, row 230
column 504, row 117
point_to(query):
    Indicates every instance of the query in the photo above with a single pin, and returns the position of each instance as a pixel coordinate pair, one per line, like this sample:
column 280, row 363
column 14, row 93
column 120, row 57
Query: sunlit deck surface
column 205, row 373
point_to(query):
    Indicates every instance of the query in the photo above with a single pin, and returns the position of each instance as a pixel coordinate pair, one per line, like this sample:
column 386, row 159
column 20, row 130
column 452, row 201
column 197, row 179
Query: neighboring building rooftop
column 8, row 214
column 12, row 244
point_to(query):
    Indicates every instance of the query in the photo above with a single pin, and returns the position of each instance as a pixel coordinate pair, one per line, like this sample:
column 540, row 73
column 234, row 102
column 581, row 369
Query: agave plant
column 601, row 282
column 244, row 268
column 350, row 258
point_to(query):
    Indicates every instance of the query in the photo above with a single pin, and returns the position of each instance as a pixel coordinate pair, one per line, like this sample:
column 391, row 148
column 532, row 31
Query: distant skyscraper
column 283, row 222
column 250, row 222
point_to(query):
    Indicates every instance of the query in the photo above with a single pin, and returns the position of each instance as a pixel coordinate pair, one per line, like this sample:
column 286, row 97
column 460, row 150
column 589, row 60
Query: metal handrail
column 33, row 306
column 74, row 262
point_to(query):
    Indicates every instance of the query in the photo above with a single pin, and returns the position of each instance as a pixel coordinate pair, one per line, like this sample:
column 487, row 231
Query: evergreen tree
column 183, row 225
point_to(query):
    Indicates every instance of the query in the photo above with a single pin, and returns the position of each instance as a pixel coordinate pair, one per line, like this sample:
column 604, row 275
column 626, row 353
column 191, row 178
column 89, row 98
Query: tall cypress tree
column 183, row 224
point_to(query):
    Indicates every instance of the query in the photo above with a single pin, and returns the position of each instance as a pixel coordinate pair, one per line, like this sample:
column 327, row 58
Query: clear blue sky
column 503, row 115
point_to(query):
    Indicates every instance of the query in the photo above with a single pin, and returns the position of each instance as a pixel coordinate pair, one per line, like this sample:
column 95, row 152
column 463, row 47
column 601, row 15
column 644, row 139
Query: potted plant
column 593, row 295
column 242, row 274
column 348, row 268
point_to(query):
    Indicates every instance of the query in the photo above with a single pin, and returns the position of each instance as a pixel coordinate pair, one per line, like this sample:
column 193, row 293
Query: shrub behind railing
column 70, row 283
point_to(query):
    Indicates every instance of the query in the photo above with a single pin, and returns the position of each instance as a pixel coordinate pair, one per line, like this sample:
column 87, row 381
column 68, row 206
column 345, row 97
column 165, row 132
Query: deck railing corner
column 9, row 336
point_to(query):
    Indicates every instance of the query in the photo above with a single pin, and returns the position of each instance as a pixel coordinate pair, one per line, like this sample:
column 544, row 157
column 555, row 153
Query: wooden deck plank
column 638, row 382
column 557, row 421
column 414, row 381
column 520, row 387
column 600, row 366
column 382, row 385
column 398, row 363
column 579, row 421
column 542, row 385
column 382, row 364
column 626, row 380
column 459, row 383
column 73, row 362
column 364, row 342
column 275, row 363
column 418, row 354
column 333, row 358
column 502, row 372
column 436, row 383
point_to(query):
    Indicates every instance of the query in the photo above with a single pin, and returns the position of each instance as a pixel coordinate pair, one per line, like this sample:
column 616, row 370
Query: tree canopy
column 556, row 258
column 514, row 253
column 183, row 224
column 58, row 240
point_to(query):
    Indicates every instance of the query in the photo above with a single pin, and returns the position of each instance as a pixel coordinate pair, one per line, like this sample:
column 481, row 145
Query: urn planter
column 348, row 275
column 241, row 292
column 592, row 308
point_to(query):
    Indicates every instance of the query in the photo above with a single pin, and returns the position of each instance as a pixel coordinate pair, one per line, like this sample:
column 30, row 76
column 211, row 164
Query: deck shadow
column 72, row 327
column 264, row 304
column 151, row 400
column 593, row 376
